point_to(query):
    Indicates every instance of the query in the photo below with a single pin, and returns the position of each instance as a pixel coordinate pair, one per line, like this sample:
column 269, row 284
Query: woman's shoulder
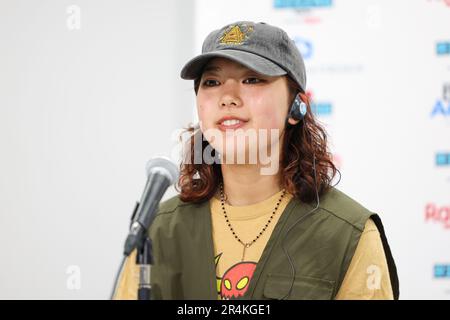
column 174, row 205
column 340, row 205
column 170, row 205
column 173, row 212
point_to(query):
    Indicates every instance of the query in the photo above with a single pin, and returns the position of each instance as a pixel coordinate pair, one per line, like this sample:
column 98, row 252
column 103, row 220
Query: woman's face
column 228, row 89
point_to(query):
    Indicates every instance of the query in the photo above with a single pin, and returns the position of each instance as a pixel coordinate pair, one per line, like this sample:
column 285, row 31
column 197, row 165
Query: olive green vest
column 321, row 247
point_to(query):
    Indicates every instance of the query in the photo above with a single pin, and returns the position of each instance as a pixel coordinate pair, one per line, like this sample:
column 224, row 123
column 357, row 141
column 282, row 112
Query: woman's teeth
column 231, row 122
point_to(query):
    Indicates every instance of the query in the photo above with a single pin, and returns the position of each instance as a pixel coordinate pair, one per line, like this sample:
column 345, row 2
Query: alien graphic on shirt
column 234, row 281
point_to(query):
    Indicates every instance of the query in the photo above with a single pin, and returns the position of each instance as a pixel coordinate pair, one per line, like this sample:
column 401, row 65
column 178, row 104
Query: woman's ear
column 293, row 121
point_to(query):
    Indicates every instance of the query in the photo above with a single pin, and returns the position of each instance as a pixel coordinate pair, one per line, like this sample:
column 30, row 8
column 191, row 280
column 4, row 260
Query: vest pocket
column 304, row 288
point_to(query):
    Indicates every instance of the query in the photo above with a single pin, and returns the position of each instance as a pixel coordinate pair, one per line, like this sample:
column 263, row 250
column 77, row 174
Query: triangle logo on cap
column 235, row 35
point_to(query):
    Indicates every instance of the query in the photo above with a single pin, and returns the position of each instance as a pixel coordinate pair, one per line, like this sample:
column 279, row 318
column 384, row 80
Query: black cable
column 339, row 178
column 292, row 226
column 293, row 272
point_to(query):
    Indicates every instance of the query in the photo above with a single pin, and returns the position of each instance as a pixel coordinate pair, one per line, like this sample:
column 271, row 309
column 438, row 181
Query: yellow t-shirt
column 367, row 276
column 233, row 275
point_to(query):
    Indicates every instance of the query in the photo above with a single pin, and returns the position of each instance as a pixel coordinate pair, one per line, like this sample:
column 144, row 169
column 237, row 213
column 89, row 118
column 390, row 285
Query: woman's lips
column 224, row 128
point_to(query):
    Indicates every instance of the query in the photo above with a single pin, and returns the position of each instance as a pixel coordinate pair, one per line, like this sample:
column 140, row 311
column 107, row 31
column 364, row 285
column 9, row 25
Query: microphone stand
column 144, row 259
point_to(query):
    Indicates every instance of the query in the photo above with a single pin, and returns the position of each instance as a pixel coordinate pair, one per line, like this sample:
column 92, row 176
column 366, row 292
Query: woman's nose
column 231, row 94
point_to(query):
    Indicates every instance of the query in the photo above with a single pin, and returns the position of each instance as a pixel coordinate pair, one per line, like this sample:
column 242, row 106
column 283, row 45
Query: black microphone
column 161, row 173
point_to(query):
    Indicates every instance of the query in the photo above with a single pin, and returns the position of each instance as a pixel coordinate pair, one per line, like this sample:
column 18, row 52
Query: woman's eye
column 252, row 80
column 209, row 83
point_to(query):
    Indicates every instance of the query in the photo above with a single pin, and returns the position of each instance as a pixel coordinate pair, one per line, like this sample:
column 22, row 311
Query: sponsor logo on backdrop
column 442, row 159
column 336, row 68
column 304, row 46
column 443, row 48
column 441, row 271
column 322, row 108
column 302, row 4
column 337, row 160
column 446, row 2
column 319, row 108
column 441, row 108
column 438, row 214
column 303, row 11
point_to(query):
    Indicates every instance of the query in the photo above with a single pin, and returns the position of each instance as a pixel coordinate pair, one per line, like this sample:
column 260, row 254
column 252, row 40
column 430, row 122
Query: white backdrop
column 90, row 90
column 374, row 73
column 87, row 96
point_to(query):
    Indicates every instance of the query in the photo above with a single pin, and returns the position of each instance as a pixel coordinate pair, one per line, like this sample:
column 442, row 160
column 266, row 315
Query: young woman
column 257, row 216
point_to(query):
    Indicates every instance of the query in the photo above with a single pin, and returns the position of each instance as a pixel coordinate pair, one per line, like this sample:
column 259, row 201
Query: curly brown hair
column 302, row 144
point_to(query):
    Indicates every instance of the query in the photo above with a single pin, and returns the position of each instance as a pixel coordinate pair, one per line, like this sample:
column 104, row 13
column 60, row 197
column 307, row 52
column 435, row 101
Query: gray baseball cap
column 261, row 47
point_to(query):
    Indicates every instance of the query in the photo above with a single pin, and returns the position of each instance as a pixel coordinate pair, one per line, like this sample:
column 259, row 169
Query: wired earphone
column 298, row 111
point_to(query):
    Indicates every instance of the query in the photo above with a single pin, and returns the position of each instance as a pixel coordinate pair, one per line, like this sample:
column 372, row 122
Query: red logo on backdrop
column 337, row 160
column 446, row 2
column 438, row 214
